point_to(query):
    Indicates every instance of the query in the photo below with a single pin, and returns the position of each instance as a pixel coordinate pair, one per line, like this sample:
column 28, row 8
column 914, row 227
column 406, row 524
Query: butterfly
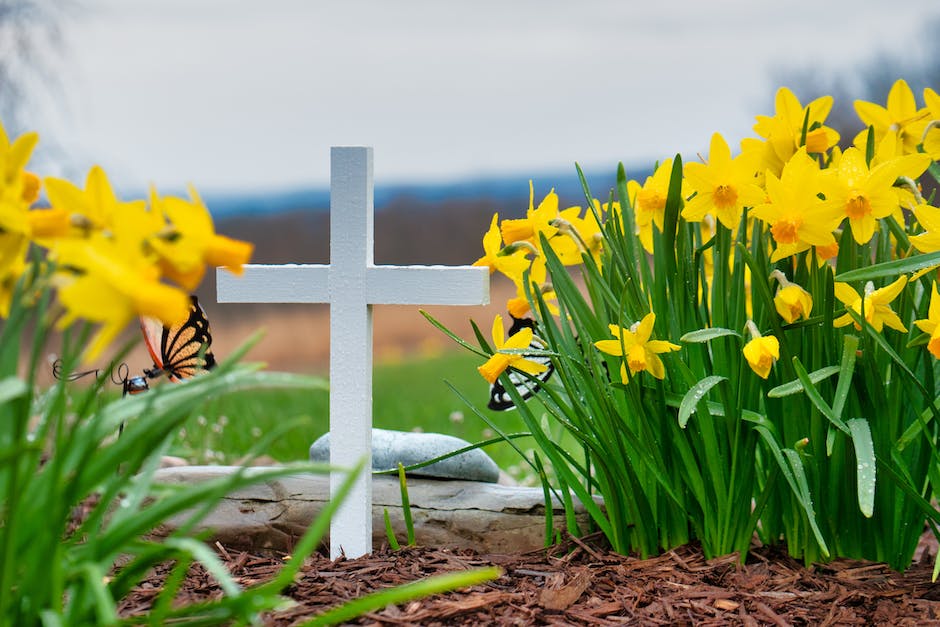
column 500, row 400
column 179, row 351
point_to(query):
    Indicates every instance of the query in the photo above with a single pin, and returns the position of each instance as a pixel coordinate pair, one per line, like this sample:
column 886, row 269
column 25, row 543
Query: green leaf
column 806, row 499
column 890, row 268
column 794, row 387
column 846, row 370
column 865, row 464
column 791, row 466
column 705, row 335
column 695, row 394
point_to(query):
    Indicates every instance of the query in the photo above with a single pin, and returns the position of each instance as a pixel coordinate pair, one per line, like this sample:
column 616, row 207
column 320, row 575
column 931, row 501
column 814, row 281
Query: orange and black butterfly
column 179, row 351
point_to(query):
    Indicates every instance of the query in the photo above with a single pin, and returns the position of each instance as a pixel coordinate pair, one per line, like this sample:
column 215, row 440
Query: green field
column 409, row 396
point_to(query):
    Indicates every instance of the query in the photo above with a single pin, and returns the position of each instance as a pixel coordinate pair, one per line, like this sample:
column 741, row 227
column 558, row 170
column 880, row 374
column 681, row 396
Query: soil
column 583, row 584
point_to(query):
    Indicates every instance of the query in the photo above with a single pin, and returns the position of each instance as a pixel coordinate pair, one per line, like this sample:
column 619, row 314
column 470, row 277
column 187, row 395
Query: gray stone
column 391, row 447
column 486, row 517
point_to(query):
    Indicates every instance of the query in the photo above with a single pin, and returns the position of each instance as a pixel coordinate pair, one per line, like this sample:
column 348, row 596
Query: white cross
column 351, row 284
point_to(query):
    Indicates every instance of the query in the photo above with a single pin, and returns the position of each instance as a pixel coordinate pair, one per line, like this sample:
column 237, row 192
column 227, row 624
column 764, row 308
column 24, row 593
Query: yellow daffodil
column 568, row 241
column 931, row 137
column 512, row 264
column 13, row 247
column 638, row 350
column 723, row 187
column 825, row 253
column 18, row 188
column 536, row 220
column 190, row 242
column 649, row 202
column 796, row 215
column 877, row 304
column 544, row 220
column 583, row 235
column 929, row 218
column 761, row 352
column 899, row 117
column 931, row 324
column 538, row 274
column 498, row 362
column 792, row 301
column 864, row 195
column 783, row 132
column 106, row 280
column 93, row 208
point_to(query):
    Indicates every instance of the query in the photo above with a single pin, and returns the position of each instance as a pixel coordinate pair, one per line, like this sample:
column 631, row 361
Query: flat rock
column 486, row 517
column 391, row 447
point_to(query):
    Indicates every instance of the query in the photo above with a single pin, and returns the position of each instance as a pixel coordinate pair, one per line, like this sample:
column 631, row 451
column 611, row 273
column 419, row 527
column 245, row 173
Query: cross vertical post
column 351, row 254
column 351, row 284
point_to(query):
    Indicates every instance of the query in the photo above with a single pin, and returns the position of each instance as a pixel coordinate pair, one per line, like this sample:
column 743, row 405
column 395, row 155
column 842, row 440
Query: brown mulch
column 586, row 585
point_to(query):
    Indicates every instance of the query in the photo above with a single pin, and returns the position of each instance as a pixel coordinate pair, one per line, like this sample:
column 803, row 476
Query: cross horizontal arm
column 428, row 285
column 290, row 283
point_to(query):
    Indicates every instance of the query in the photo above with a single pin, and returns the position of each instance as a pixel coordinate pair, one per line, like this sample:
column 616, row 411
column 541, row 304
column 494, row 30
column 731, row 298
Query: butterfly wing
column 182, row 350
column 500, row 400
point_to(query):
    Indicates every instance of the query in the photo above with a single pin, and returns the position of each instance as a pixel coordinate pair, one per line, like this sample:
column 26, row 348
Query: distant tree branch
column 30, row 44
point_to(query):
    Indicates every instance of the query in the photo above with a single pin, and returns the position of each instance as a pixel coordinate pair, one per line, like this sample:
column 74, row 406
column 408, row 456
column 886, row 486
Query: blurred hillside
column 407, row 231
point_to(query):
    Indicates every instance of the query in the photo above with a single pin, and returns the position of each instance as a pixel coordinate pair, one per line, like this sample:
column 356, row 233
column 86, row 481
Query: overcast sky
column 236, row 94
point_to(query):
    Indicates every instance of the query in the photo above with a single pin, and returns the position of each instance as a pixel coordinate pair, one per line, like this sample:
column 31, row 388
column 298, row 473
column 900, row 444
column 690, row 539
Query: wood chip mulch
column 586, row 585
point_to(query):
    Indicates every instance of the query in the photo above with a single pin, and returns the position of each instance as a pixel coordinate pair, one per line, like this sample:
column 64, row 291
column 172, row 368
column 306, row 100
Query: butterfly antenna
column 58, row 371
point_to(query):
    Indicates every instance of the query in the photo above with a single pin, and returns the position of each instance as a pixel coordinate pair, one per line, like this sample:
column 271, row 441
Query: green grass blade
column 406, row 505
column 816, row 398
column 454, row 453
column 403, row 594
column 210, row 561
column 459, row 340
column 389, row 532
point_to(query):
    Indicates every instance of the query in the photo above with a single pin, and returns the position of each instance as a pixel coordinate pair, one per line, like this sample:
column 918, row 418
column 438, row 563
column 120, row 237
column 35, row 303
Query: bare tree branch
column 30, row 45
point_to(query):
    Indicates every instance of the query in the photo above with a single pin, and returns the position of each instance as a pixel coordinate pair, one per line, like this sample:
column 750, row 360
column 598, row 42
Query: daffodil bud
column 516, row 247
column 792, row 301
column 81, row 221
column 930, row 126
column 909, row 184
column 567, row 228
column 31, row 185
column 761, row 352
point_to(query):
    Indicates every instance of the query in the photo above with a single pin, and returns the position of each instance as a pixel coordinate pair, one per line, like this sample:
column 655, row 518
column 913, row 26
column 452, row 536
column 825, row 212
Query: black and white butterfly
column 500, row 400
